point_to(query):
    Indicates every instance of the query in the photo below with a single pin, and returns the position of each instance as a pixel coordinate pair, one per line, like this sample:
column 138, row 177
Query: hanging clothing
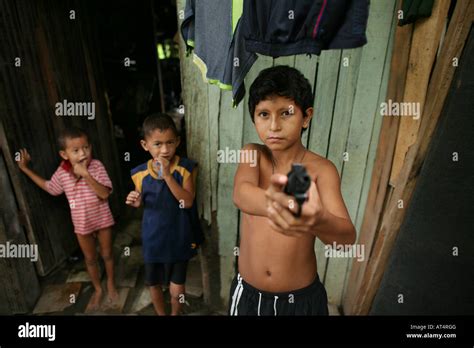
column 212, row 29
column 288, row 27
column 415, row 9
column 226, row 35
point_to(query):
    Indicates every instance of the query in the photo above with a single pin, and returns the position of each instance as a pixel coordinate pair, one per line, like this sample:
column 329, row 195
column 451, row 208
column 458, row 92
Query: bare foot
column 94, row 303
column 113, row 295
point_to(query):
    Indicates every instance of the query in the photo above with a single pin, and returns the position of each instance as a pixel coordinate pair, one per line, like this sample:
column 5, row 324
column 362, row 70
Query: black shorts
column 247, row 300
column 164, row 273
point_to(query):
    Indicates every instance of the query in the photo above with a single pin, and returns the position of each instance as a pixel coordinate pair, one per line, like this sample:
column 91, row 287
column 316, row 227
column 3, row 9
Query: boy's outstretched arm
column 247, row 196
column 25, row 158
column 324, row 214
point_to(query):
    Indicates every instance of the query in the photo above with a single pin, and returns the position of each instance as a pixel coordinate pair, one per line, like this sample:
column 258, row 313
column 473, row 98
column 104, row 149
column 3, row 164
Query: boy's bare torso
column 271, row 261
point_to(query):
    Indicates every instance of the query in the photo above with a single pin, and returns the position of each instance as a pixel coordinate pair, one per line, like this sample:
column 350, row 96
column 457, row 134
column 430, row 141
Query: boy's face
column 279, row 122
column 77, row 150
column 161, row 143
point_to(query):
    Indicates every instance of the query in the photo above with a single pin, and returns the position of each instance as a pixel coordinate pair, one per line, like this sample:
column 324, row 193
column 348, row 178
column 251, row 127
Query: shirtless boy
column 277, row 263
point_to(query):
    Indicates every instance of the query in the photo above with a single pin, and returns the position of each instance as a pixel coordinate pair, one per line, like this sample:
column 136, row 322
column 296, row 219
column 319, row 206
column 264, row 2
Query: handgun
column 298, row 184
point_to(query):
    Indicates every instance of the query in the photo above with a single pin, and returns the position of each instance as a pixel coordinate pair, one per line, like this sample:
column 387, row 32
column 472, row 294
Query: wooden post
column 383, row 162
column 425, row 42
column 443, row 73
column 158, row 63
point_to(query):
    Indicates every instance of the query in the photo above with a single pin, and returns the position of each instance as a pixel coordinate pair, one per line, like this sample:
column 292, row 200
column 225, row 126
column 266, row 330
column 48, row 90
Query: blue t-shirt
column 169, row 233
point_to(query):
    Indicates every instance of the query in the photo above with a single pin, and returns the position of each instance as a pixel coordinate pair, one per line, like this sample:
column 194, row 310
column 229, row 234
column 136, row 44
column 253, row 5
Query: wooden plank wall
column 59, row 60
column 348, row 85
column 392, row 217
column 424, row 46
column 408, row 79
column 361, row 137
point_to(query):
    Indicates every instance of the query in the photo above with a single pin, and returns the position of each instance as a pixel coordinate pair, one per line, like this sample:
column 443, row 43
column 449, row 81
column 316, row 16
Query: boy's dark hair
column 282, row 81
column 70, row 133
column 158, row 121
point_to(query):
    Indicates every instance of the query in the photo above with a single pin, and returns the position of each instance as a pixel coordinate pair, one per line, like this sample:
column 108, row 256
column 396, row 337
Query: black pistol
column 298, row 184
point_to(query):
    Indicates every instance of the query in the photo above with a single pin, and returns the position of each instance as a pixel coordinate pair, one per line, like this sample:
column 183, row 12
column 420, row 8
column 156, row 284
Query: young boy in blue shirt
column 277, row 263
column 170, row 226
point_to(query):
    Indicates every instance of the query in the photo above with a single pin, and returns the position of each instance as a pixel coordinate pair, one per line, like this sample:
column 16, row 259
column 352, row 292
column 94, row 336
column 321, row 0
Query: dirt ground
column 67, row 290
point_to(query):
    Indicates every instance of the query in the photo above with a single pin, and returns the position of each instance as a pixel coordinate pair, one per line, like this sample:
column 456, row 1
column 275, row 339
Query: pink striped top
column 89, row 213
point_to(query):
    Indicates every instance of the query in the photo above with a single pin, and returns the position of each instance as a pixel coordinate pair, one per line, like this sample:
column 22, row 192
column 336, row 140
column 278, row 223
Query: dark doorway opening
column 141, row 67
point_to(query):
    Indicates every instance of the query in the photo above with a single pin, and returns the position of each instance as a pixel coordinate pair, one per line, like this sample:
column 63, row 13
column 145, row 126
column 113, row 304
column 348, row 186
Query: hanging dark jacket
column 287, row 27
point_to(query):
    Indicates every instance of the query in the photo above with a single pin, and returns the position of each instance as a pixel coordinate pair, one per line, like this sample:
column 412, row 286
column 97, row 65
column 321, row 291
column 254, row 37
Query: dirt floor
column 67, row 290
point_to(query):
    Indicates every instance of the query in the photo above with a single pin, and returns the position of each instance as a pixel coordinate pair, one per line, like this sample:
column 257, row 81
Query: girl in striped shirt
column 87, row 187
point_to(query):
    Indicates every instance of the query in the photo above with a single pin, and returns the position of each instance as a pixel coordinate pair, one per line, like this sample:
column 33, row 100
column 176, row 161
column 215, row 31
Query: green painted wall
column 349, row 86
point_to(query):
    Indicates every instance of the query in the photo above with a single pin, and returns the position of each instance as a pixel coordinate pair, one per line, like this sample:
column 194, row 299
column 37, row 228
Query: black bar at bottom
column 134, row 330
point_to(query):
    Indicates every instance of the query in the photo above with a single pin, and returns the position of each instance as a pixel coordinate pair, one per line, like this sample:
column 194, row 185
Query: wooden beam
column 202, row 140
column 425, row 42
column 363, row 114
column 157, row 59
column 442, row 77
column 374, row 139
column 382, row 165
column 214, row 101
column 195, row 95
column 24, row 208
column 326, row 84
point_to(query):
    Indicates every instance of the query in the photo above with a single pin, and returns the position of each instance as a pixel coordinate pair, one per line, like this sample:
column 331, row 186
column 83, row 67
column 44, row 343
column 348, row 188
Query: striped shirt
column 89, row 213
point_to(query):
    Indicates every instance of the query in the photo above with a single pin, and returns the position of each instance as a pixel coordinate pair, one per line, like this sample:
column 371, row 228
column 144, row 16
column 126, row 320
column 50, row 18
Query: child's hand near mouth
column 165, row 166
column 80, row 169
column 157, row 167
column 161, row 166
